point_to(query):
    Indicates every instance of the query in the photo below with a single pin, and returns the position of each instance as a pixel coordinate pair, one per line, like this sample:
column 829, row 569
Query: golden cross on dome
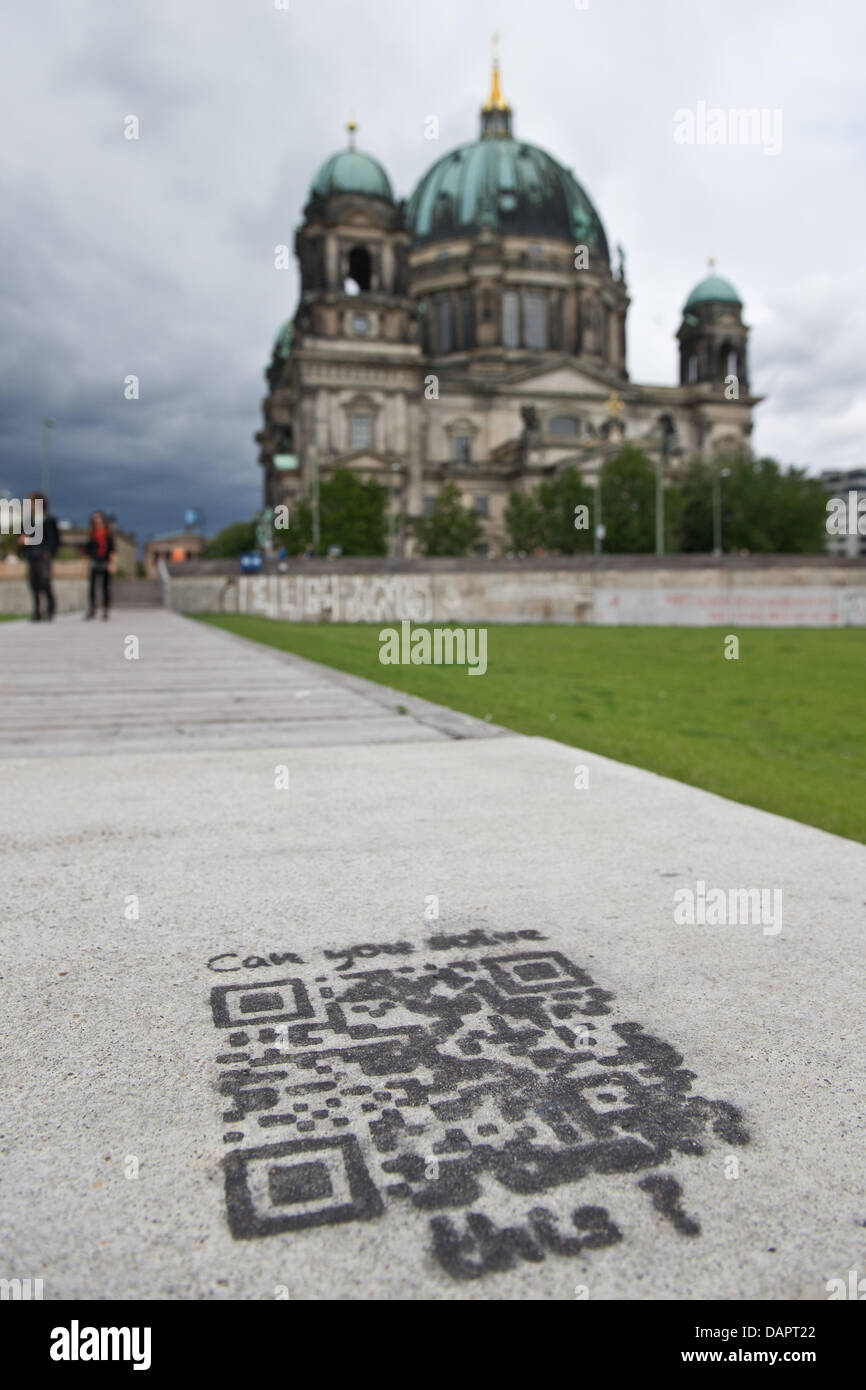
column 615, row 406
column 351, row 126
column 711, row 263
column 496, row 101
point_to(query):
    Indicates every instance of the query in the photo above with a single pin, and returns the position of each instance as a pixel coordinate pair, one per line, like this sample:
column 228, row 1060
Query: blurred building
column 477, row 334
column 174, row 547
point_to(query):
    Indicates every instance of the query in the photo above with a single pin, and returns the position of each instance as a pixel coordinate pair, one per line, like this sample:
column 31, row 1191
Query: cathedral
column 476, row 334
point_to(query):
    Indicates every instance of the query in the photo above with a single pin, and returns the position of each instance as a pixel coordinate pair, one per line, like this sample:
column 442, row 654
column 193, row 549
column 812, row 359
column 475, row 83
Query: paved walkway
column 246, row 1059
column 68, row 688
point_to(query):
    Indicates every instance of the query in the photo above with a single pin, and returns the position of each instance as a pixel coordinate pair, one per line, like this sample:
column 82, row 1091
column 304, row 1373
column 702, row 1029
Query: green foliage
column 764, row 509
column 232, row 541
column 451, row 528
column 352, row 515
column 559, row 499
column 525, row 521
column 628, row 503
column 545, row 519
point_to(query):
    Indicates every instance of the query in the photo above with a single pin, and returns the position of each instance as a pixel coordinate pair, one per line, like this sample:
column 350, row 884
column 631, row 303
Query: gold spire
column 711, row 263
column 351, row 126
column 496, row 101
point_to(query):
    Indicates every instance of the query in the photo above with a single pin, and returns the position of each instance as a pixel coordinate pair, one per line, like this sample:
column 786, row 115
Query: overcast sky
column 155, row 257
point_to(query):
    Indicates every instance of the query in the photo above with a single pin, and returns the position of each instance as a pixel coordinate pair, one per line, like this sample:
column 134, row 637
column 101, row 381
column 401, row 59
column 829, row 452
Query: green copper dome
column 713, row 290
column 508, row 185
column 283, row 343
column 350, row 171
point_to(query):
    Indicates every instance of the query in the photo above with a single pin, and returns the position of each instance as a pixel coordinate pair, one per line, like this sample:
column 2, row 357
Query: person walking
column 39, row 550
column 100, row 551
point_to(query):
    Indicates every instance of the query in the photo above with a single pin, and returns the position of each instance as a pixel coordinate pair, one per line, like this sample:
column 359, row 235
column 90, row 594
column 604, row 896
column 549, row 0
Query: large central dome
column 505, row 184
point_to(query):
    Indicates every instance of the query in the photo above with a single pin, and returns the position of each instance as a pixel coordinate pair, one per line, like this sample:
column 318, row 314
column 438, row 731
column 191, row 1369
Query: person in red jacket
column 100, row 551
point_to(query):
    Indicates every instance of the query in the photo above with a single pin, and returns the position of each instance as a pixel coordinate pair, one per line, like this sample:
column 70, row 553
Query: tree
column 351, row 514
column 550, row 517
column 764, row 508
column 451, row 528
column 524, row 521
column 628, row 502
column 561, row 500
column 233, row 540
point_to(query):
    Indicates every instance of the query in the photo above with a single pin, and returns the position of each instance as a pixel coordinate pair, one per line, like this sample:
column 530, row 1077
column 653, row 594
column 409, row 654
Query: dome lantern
column 495, row 113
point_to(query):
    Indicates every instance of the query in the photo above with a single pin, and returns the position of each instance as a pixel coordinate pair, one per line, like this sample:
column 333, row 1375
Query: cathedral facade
column 476, row 334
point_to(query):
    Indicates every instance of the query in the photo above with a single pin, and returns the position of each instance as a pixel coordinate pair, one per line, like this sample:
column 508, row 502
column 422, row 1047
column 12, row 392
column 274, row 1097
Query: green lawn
column 782, row 728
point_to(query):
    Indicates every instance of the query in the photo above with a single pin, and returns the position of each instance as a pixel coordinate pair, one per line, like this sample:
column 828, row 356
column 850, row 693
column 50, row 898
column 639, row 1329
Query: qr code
column 481, row 1091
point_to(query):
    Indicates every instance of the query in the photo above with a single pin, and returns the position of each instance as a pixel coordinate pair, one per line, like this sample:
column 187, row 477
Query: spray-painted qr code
column 482, row 1090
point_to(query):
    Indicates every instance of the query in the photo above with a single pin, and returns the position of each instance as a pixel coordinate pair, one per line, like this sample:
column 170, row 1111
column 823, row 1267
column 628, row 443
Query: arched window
column 360, row 268
column 600, row 323
column 467, row 320
column 361, row 430
column 510, row 319
column 692, row 370
column 444, row 324
column 535, row 309
column 732, row 362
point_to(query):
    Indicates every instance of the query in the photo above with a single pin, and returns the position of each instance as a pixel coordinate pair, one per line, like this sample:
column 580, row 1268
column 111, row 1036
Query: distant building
column 841, row 483
column 174, row 547
column 477, row 335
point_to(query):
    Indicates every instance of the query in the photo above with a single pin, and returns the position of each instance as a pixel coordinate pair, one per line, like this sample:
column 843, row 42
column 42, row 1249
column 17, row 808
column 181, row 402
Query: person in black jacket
column 39, row 551
column 100, row 550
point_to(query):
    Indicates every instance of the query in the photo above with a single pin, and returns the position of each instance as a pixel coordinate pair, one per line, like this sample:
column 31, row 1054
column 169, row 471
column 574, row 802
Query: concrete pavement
column 68, row 687
column 246, row 1059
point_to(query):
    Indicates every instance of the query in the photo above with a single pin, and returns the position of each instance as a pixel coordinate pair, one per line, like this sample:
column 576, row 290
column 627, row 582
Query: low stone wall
column 70, row 596
column 787, row 594
column 682, row 591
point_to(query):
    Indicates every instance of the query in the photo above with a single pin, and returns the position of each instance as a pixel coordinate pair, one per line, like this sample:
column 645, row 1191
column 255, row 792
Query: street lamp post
column 598, row 528
column 392, row 528
column 717, row 509
column 668, row 430
column 660, row 507
column 317, row 531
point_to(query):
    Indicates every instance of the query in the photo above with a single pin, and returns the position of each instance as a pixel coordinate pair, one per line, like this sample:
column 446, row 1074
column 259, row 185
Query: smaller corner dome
column 283, row 341
column 713, row 290
column 351, row 171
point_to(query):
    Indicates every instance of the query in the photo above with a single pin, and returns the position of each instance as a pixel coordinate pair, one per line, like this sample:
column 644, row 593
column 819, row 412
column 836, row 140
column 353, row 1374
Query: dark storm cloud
column 156, row 257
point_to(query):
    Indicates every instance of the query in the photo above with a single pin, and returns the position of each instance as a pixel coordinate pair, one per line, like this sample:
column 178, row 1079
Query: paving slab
column 414, row 1020
column 68, row 687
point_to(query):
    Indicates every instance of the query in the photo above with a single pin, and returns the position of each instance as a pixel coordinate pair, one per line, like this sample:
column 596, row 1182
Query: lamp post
column 598, row 531
column 668, row 430
column 392, row 527
column 47, row 427
column 317, row 531
column 717, row 509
